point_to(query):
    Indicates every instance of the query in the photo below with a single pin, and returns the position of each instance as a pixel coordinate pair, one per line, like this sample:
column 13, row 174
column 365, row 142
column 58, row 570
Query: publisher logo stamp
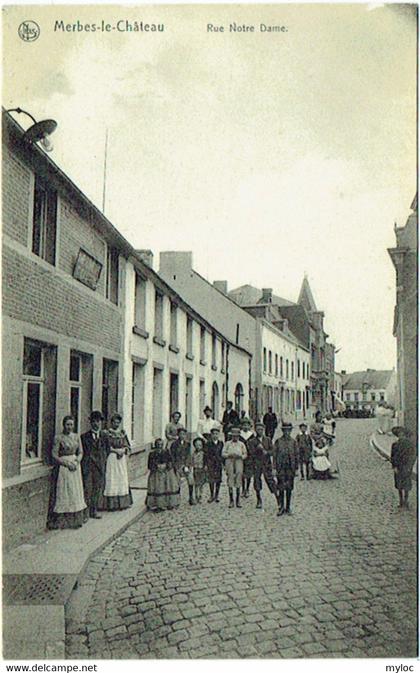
column 29, row 31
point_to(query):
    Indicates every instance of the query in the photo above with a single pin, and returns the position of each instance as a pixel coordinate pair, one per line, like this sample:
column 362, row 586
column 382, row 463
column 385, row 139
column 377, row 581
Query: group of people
column 90, row 472
column 244, row 454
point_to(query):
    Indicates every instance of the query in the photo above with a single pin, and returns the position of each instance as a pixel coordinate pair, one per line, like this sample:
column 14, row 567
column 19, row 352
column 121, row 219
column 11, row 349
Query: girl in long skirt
column 163, row 491
column 117, row 494
column 67, row 508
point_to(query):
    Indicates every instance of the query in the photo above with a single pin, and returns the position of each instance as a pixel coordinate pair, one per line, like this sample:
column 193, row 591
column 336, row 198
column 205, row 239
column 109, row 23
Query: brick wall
column 17, row 203
column 33, row 294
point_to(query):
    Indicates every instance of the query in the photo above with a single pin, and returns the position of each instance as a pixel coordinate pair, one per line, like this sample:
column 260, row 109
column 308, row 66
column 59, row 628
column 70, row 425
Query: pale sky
column 267, row 154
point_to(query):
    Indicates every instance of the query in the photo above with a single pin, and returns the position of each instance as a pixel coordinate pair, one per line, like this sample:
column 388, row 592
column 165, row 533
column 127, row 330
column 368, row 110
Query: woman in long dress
column 67, row 508
column 117, row 494
column 163, row 490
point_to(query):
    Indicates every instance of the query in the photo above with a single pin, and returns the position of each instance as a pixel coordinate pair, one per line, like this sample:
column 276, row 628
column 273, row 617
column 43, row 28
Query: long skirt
column 117, row 494
column 163, row 491
column 402, row 479
column 67, row 507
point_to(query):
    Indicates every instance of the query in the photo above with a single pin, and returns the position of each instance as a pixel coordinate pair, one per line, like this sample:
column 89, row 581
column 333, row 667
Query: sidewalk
column 383, row 445
column 39, row 577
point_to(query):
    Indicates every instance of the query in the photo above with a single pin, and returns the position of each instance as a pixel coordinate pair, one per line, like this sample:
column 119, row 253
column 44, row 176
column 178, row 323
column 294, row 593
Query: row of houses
column 89, row 324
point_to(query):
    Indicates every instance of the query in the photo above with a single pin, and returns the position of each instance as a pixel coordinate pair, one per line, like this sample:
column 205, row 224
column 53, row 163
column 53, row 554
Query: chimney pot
column 267, row 295
column 221, row 285
column 146, row 257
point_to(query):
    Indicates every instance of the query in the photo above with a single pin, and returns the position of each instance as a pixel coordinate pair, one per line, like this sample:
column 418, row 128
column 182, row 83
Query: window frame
column 40, row 381
column 49, row 204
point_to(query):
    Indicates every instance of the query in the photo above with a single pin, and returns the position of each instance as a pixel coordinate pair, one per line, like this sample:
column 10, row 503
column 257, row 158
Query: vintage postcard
column 210, row 333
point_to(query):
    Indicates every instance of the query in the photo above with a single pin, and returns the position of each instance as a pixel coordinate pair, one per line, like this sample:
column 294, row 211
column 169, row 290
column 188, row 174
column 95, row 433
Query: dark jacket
column 181, row 454
column 304, row 445
column 95, row 451
column 230, row 419
column 260, row 450
column 270, row 422
column 285, row 455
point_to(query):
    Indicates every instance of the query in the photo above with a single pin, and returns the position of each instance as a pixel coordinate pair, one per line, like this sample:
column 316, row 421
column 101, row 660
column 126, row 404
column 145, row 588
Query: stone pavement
column 38, row 578
column 336, row 579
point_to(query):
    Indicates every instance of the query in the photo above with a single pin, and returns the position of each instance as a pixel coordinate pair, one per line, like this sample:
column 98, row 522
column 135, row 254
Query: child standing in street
column 403, row 457
column 304, row 444
column 198, row 467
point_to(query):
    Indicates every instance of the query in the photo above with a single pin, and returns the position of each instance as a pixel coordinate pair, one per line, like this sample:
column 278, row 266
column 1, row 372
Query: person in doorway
column 67, row 506
column 286, row 463
column 199, row 470
column 117, row 493
column 171, row 430
column 95, row 452
column 230, row 419
column 206, row 424
column 245, row 437
column 234, row 453
column 270, row 423
column 260, row 449
column 162, row 484
column 214, row 463
column 304, row 445
column 403, row 457
column 181, row 453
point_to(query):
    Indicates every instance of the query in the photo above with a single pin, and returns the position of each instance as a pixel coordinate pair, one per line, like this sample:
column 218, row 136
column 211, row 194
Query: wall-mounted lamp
column 39, row 132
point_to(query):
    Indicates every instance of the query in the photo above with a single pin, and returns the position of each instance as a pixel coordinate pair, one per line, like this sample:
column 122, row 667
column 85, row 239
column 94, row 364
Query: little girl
column 198, row 467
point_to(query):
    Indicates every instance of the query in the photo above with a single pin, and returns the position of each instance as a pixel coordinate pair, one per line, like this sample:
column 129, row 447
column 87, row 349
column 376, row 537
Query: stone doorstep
column 33, row 632
column 34, row 627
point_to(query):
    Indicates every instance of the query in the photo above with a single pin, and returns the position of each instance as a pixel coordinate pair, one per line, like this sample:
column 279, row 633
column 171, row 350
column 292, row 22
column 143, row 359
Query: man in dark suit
column 93, row 465
column 230, row 419
column 270, row 423
column 260, row 450
column 286, row 462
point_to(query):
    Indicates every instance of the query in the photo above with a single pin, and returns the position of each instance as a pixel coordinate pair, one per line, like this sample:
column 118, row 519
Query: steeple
column 306, row 298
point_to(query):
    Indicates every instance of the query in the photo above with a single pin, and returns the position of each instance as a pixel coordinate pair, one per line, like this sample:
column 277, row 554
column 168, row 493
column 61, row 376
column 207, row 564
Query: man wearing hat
column 206, row 424
column 214, row 463
column 93, row 465
column 304, row 445
column 182, row 461
column 286, row 463
column 230, row 418
column 260, row 449
column 234, row 453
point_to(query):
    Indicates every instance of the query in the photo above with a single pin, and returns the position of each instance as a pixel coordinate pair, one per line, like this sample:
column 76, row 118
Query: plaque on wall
column 87, row 269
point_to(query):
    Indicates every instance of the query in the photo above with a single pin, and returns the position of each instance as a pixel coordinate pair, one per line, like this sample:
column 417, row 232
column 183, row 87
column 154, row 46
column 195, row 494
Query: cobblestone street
column 336, row 579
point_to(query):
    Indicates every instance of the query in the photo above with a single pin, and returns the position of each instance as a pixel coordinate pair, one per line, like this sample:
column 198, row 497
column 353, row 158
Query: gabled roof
column 306, row 297
column 376, row 379
column 248, row 295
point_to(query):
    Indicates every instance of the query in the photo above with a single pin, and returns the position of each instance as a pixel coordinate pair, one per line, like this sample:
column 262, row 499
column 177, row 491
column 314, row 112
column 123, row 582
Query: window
column 174, row 324
column 112, row 268
column 140, row 302
column 189, row 335
column 158, row 315
column 265, row 359
column 239, row 394
column 382, row 397
column 237, row 333
column 270, row 362
column 373, row 397
column 356, row 397
column 33, row 389
column 223, row 358
column 173, row 393
column 281, row 366
column 298, row 369
column 202, row 344
column 287, row 369
column 292, row 367
column 75, row 389
column 303, row 370
column 109, row 388
column 276, row 366
column 213, row 351
column 137, row 404
column 44, row 226
column 348, row 397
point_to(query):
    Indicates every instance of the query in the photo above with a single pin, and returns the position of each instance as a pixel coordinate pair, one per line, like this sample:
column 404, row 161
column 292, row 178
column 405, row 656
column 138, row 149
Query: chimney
column 267, row 295
column 146, row 256
column 221, row 285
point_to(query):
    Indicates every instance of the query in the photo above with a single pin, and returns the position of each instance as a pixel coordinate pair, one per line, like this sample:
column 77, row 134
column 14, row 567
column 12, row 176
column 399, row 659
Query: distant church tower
column 306, row 298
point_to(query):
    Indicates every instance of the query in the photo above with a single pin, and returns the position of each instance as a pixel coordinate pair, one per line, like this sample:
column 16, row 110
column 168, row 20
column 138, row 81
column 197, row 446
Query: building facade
column 62, row 337
column 404, row 258
column 365, row 390
column 175, row 360
column 277, row 354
